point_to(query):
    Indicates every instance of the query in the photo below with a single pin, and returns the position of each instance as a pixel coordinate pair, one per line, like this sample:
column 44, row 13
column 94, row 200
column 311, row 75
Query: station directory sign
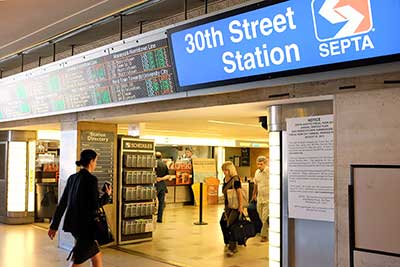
column 281, row 38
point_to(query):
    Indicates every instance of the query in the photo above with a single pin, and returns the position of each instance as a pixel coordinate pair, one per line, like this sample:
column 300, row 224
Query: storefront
column 268, row 60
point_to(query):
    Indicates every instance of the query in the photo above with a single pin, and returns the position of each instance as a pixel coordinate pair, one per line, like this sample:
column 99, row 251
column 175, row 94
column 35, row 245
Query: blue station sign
column 281, row 38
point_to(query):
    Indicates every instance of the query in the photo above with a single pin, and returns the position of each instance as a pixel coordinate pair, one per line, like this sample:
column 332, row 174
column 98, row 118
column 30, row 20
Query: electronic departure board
column 142, row 71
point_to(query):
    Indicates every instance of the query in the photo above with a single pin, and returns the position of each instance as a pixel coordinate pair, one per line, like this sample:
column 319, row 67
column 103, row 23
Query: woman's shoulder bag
column 103, row 234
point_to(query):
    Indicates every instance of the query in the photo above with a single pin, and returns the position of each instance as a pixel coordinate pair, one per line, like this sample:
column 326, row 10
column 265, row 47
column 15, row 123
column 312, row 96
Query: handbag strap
column 100, row 212
column 232, row 182
column 243, row 217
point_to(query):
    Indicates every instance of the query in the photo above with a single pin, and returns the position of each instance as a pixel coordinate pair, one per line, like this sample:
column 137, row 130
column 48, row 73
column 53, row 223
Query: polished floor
column 29, row 246
column 177, row 242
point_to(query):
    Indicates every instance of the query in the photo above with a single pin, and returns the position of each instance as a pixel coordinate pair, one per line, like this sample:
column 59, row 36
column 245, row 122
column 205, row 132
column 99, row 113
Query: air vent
column 391, row 82
column 347, row 87
column 279, row 95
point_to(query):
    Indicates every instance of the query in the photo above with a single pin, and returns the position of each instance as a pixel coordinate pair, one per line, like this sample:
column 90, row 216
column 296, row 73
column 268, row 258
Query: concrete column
column 70, row 147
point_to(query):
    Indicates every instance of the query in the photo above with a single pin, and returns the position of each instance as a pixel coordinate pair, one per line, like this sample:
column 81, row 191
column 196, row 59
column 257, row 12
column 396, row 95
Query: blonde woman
column 230, row 216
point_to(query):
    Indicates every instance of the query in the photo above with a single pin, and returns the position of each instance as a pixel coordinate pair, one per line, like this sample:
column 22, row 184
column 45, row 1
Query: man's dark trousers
column 161, row 204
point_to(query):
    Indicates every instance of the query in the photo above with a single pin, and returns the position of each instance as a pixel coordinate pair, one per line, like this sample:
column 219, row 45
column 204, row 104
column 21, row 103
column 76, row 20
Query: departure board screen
column 138, row 72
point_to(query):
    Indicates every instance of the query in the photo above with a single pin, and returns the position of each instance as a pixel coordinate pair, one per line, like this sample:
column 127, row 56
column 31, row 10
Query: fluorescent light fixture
column 274, row 181
column 274, row 199
column 252, row 144
column 275, row 225
column 235, row 123
column 31, row 175
column 72, row 33
column 274, row 139
column 274, row 239
column 48, row 135
column 274, row 209
column 42, row 45
column 104, row 21
column 275, row 153
column 275, row 195
column 274, row 253
column 259, row 145
column 139, row 7
column 176, row 140
column 274, row 264
column 182, row 132
column 16, row 176
column 274, row 167
column 9, row 58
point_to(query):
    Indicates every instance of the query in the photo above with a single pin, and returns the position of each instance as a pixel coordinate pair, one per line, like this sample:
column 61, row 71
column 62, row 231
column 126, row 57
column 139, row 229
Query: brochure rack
column 137, row 193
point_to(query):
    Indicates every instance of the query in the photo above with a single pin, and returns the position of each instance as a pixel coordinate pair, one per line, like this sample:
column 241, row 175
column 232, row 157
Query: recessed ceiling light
column 235, row 123
column 181, row 132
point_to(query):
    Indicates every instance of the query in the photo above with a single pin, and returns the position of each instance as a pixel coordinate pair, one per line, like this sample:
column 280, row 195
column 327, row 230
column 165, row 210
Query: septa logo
column 335, row 19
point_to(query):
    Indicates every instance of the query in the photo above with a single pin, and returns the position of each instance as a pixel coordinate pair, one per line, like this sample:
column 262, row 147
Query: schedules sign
column 281, row 38
column 138, row 145
column 310, row 168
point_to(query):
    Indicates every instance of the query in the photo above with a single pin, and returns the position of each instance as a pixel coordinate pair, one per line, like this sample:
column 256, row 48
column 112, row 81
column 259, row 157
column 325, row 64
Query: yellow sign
column 203, row 168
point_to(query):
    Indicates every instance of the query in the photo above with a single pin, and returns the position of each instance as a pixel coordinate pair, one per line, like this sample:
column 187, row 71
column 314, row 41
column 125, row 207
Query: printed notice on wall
column 310, row 168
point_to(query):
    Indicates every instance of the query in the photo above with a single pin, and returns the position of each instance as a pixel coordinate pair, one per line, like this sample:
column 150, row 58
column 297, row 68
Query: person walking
column 161, row 186
column 80, row 201
column 230, row 216
column 261, row 194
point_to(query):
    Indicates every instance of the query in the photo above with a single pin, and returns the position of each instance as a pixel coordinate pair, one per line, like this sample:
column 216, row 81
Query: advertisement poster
column 203, row 168
column 310, row 168
column 183, row 171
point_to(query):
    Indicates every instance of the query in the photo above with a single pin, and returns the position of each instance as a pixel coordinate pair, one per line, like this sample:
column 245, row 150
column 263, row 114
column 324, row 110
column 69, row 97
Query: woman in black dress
column 80, row 200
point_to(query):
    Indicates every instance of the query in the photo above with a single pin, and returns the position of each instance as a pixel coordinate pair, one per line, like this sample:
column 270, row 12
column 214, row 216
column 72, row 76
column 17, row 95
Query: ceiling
column 239, row 122
column 32, row 22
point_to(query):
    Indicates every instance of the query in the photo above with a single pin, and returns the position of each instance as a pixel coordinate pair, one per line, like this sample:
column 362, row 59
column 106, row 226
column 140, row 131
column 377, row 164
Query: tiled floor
column 176, row 242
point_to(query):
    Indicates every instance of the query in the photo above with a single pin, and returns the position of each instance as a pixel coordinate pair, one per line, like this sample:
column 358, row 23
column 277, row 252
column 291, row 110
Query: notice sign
column 310, row 168
column 203, row 168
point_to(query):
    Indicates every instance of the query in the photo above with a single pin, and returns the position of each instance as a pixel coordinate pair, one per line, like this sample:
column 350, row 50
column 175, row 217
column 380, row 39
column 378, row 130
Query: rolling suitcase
column 242, row 230
column 253, row 215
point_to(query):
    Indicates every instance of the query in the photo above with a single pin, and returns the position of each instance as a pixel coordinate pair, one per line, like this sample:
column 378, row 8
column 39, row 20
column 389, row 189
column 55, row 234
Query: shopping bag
column 233, row 202
column 103, row 234
column 242, row 230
